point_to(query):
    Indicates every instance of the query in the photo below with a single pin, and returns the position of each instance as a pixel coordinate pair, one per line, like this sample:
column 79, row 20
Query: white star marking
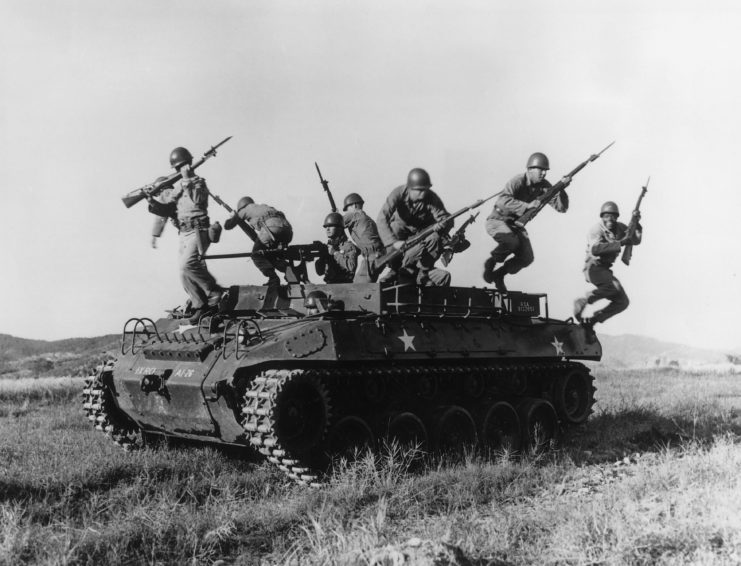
column 558, row 346
column 408, row 341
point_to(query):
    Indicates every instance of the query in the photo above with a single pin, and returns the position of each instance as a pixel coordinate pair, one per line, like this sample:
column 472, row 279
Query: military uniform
column 340, row 265
column 364, row 234
column 510, row 205
column 273, row 231
column 603, row 248
column 400, row 219
column 190, row 197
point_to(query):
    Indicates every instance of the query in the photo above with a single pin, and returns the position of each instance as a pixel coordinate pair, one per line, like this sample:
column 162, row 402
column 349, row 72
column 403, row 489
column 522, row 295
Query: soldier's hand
column 398, row 244
column 154, row 242
column 566, row 180
column 637, row 214
column 533, row 204
column 625, row 240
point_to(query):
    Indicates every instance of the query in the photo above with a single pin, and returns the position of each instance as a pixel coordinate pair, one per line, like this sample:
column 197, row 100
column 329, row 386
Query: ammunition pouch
column 214, row 232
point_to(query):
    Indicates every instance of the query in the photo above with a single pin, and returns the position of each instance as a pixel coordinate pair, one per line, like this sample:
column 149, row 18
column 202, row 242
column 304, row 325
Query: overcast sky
column 96, row 94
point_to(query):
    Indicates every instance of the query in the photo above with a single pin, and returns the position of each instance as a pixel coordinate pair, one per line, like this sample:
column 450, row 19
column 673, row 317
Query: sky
column 95, row 95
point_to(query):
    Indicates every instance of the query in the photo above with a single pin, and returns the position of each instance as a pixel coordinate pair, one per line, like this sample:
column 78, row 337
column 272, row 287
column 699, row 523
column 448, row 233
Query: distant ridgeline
column 21, row 357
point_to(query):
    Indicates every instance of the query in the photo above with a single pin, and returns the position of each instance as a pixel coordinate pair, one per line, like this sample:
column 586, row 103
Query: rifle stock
column 530, row 213
column 152, row 190
column 633, row 226
column 421, row 236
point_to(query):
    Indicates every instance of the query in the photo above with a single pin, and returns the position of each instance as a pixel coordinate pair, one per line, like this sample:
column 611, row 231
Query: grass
column 651, row 479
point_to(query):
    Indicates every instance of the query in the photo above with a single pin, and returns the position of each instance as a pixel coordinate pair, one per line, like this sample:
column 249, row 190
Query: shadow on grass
column 615, row 435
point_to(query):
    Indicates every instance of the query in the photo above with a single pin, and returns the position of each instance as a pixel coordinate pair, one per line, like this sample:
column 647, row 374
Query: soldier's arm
column 561, row 201
column 384, row 218
column 507, row 202
column 598, row 244
column 347, row 257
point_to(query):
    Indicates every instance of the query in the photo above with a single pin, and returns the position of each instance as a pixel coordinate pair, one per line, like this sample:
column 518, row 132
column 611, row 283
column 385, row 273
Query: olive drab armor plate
column 305, row 373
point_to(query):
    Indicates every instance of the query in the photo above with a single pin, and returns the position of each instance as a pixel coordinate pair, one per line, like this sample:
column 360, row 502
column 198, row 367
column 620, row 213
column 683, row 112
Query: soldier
column 190, row 200
column 273, row 232
column 603, row 246
column 519, row 194
column 340, row 264
column 364, row 234
column 409, row 209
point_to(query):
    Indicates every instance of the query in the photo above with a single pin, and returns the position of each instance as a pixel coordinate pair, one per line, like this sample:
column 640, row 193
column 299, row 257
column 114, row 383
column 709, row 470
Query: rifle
column 633, row 226
column 325, row 184
column 421, row 236
column 246, row 228
column 153, row 189
column 530, row 213
column 458, row 241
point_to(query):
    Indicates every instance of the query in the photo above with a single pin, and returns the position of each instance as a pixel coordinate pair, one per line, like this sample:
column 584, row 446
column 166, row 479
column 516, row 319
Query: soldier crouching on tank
column 339, row 265
column 364, row 234
column 190, row 200
column 273, row 232
column 519, row 194
column 604, row 242
column 409, row 209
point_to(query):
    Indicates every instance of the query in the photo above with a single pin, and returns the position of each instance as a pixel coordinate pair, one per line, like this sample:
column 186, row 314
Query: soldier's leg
column 607, row 287
column 363, row 271
column 507, row 243
column 264, row 265
column 523, row 254
column 199, row 273
column 188, row 259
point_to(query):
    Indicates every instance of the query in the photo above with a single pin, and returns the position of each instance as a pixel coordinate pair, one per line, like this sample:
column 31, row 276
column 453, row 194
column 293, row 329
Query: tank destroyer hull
column 309, row 372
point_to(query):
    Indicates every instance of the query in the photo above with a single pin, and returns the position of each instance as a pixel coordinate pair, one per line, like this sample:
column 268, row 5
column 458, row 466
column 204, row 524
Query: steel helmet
column 179, row 157
column 418, row 179
column 244, row 201
column 334, row 219
column 538, row 160
column 352, row 198
column 611, row 207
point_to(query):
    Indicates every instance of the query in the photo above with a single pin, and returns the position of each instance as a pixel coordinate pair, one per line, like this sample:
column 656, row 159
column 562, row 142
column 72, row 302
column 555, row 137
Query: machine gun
column 633, row 226
column 395, row 254
column 457, row 242
column 153, row 189
column 325, row 184
column 530, row 213
column 295, row 257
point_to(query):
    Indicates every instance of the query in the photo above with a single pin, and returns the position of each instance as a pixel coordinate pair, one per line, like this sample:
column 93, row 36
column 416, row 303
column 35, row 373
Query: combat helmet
column 244, row 201
column 609, row 207
column 418, row 179
column 179, row 157
column 334, row 219
column 538, row 160
column 352, row 198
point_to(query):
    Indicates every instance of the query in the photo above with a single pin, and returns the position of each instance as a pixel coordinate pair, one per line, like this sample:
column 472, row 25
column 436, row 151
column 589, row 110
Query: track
column 300, row 419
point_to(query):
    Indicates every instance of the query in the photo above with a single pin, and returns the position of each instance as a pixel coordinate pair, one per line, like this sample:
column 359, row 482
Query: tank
column 306, row 372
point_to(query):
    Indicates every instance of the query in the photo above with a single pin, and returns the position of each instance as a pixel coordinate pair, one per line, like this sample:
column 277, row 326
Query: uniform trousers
column 510, row 240
column 194, row 275
column 607, row 287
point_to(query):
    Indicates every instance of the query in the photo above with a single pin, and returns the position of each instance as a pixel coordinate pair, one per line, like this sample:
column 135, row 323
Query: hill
column 633, row 351
column 22, row 357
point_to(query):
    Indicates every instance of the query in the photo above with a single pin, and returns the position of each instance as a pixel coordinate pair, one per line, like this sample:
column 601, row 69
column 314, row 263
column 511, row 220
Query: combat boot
column 579, row 306
column 489, row 265
column 497, row 277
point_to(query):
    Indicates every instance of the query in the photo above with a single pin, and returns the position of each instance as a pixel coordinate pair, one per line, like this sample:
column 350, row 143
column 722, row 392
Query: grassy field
column 653, row 478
